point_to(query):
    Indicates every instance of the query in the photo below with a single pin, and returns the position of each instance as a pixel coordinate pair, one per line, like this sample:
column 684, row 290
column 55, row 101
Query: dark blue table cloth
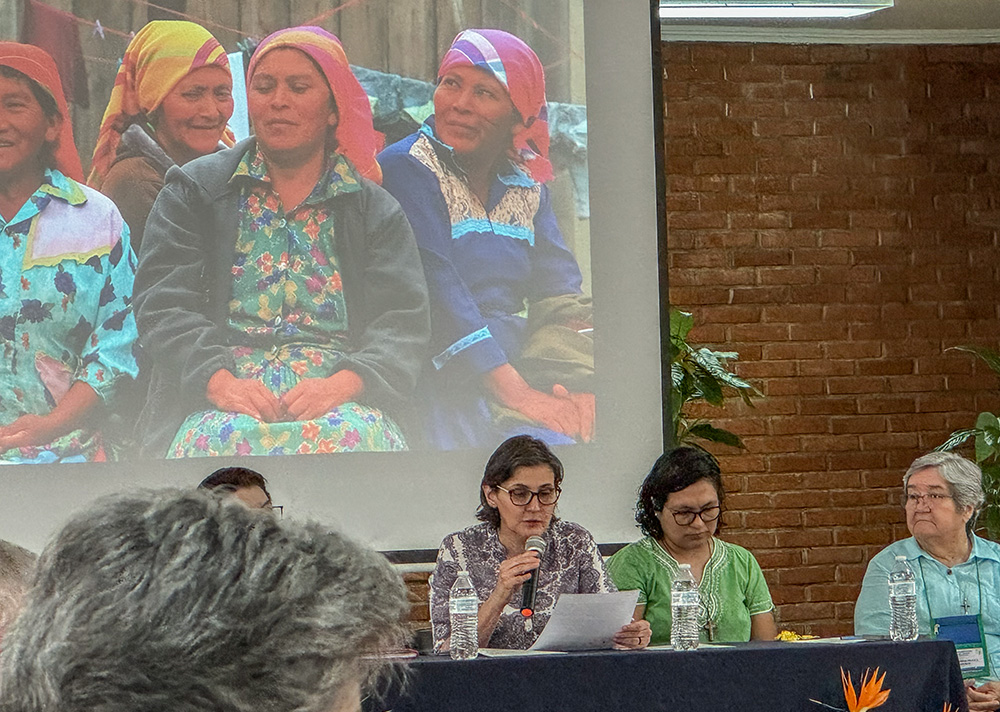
column 771, row 677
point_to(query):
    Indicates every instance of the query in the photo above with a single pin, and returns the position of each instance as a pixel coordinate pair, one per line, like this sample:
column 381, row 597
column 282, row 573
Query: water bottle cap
column 463, row 572
column 900, row 557
column 684, row 567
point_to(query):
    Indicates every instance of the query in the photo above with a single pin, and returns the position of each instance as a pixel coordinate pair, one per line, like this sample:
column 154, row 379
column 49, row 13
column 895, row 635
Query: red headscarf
column 38, row 66
column 512, row 63
column 357, row 139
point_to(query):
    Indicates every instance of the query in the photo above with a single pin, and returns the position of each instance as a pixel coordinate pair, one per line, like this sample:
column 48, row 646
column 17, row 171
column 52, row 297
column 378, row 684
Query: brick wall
column 833, row 215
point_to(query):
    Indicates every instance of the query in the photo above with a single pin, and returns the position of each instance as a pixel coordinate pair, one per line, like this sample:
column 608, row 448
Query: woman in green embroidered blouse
column 678, row 510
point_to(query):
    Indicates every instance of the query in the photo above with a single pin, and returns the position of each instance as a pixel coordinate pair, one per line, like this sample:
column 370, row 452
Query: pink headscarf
column 512, row 63
column 357, row 139
column 37, row 65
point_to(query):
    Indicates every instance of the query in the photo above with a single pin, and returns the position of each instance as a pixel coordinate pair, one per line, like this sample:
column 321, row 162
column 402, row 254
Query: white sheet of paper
column 586, row 621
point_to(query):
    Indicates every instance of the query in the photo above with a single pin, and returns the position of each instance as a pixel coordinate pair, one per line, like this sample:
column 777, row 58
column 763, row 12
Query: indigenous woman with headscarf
column 66, row 271
column 280, row 290
column 472, row 183
column 170, row 103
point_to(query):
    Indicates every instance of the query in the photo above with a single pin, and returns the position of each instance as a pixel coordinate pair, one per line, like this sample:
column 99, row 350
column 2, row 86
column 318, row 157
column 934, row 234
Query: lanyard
column 965, row 599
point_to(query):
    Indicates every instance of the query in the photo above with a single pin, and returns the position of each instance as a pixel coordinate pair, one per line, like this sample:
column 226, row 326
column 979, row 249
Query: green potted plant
column 700, row 375
column 986, row 434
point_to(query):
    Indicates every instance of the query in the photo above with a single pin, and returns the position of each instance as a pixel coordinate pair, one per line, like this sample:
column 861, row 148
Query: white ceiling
column 921, row 21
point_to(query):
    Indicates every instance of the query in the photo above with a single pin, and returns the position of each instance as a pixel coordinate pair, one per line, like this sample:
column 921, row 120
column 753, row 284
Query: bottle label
column 464, row 605
column 684, row 598
column 903, row 588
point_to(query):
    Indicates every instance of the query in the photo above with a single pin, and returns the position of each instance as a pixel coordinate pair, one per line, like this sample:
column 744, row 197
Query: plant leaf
column 713, row 434
column 990, row 356
column 956, row 438
column 681, row 324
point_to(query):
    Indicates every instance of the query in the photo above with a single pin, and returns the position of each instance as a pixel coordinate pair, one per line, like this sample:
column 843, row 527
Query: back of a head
column 16, row 566
column 182, row 601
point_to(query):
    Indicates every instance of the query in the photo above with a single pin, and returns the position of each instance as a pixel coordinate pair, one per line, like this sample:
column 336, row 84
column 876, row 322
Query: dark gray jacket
column 183, row 287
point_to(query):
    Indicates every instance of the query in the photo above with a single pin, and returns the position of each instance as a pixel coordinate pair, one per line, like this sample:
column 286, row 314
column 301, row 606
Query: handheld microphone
column 534, row 543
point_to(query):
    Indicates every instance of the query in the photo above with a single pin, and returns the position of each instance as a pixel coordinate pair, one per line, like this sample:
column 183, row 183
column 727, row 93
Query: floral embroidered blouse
column 66, row 275
column 571, row 564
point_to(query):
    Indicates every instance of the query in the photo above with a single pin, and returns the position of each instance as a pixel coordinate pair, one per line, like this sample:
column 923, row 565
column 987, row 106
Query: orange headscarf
column 356, row 137
column 160, row 55
column 37, row 65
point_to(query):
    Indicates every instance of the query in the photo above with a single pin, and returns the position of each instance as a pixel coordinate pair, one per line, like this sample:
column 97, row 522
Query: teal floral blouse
column 66, row 276
column 288, row 310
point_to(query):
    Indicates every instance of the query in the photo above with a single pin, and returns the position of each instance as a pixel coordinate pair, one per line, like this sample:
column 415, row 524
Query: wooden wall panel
column 364, row 32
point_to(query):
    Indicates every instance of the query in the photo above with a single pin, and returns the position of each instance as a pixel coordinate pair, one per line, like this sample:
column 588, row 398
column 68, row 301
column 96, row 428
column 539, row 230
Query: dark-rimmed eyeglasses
column 932, row 499
column 521, row 496
column 685, row 517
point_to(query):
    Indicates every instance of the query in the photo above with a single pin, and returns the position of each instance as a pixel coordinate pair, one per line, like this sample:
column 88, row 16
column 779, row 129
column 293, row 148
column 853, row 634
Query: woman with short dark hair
column 518, row 495
column 679, row 510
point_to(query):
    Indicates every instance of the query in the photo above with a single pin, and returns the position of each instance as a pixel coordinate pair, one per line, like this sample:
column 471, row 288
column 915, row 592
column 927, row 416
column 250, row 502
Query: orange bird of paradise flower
column 871, row 694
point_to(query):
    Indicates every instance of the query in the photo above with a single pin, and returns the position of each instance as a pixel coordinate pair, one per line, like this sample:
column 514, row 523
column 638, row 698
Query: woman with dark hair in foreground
column 518, row 495
column 679, row 510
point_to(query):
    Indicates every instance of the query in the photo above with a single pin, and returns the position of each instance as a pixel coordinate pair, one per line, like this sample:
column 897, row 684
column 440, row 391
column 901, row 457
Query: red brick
column 814, row 498
column 828, row 406
column 807, row 574
column 798, row 425
column 772, row 519
column 859, row 385
column 778, row 558
column 801, row 538
column 833, row 517
column 823, row 367
column 858, row 424
column 806, row 611
column 856, row 460
column 835, row 555
column 796, row 350
column 784, row 595
column 833, row 592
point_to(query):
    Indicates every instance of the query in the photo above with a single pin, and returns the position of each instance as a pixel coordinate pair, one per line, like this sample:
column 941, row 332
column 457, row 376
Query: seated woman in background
column 518, row 496
column 170, row 103
column 66, row 274
column 472, row 183
column 280, row 291
column 957, row 573
column 679, row 509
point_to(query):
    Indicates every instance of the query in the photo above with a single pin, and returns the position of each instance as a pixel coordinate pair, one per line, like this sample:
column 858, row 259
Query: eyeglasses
column 277, row 509
column 685, row 517
column 521, row 496
column 932, row 498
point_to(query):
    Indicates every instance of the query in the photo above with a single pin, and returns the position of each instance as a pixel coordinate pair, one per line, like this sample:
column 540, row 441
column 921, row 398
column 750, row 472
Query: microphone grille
column 535, row 543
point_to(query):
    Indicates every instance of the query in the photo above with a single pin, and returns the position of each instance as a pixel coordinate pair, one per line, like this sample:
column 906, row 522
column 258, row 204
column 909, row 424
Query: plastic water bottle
column 902, row 601
column 684, row 601
column 463, row 605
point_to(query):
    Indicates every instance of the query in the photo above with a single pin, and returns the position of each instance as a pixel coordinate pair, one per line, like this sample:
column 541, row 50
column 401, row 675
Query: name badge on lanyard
column 966, row 632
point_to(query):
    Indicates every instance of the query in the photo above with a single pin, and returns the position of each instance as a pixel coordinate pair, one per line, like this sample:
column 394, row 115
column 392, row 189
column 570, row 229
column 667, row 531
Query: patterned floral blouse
column 571, row 564
column 288, row 308
column 66, row 277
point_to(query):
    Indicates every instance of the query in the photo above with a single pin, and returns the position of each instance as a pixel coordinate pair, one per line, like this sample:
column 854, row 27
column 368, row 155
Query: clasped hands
column 310, row 398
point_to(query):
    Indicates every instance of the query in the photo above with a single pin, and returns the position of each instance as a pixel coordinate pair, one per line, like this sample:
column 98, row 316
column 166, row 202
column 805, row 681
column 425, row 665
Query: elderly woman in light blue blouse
column 957, row 573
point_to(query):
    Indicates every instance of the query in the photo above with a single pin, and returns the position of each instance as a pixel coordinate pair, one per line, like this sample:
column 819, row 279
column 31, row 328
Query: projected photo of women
column 316, row 321
column 512, row 350
column 392, row 254
column 66, row 273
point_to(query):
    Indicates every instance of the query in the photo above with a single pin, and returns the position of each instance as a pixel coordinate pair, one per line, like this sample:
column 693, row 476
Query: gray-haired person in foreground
column 186, row 601
column 16, row 567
